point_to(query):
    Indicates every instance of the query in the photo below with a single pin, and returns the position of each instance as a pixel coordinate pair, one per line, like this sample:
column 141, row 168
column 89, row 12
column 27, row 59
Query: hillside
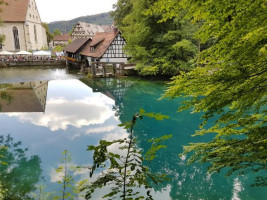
column 66, row 26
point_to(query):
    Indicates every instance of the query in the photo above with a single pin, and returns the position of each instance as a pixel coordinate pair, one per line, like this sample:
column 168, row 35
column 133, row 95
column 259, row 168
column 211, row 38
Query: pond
column 51, row 110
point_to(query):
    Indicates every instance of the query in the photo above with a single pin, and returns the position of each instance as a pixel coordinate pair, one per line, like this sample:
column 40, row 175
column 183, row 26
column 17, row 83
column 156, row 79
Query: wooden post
column 114, row 70
column 93, row 70
column 104, row 70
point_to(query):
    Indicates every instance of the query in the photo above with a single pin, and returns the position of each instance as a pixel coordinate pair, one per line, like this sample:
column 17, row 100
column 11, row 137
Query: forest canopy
column 218, row 50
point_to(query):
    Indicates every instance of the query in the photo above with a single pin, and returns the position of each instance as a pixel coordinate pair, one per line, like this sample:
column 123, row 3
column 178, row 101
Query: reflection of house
column 21, row 25
column 25, row 97
column 61, row 40
column 112, row 88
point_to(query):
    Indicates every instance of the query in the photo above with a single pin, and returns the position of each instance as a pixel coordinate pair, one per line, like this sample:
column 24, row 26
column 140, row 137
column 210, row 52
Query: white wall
column 7, row 30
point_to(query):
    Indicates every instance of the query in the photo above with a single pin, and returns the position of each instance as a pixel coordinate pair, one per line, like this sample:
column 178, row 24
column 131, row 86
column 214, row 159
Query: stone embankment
column 33, row 63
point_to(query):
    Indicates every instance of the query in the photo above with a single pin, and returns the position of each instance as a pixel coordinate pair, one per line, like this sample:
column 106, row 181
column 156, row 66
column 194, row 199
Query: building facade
column 85, row 30
column 22, row 26
column 61, row 40
column 106, row 47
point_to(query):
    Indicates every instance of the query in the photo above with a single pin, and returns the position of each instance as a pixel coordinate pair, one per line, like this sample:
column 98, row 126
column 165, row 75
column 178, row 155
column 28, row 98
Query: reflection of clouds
column 61, row 113
column 112, row 131
column 237, row 189
column 164, row 193
column 55, row 176
column 100, row 129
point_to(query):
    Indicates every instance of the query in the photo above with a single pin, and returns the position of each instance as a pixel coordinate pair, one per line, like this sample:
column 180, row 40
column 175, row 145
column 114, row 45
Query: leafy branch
column 124, row 172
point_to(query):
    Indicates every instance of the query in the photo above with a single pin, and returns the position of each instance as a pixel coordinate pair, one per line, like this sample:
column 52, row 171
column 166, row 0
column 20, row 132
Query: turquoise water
column 53, row 110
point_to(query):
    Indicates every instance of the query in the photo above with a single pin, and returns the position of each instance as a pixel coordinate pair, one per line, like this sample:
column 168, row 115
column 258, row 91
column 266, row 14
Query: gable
column 32, row 12
column 115, row 49
column 15, row 11
column 83, row 30
column 78, row 31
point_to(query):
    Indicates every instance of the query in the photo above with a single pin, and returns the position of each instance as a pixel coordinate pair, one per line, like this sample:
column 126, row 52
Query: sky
column 57, row 10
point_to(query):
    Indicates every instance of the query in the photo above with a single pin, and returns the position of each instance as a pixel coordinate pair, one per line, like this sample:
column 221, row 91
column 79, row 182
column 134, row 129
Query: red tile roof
column 65, row 37
column 76, row 45
column 15, row 11
column 100, row 42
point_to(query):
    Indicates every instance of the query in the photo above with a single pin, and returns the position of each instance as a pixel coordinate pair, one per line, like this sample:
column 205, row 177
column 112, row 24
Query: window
column 1, row 46
column 35, row 33
column 16, row 38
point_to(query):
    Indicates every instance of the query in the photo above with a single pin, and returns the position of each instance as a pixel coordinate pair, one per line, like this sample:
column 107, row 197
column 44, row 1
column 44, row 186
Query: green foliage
column 156, row 145
column 156, row 48
column 2, row 37
column 7, row 97
column 41, row 194
column 57, row 32
column 58, row 48
column 230, row 84
column 49, row 35
column 121, row 9
column 125, row 171
column 18, row 173
column 2, row 192
column 67, row 182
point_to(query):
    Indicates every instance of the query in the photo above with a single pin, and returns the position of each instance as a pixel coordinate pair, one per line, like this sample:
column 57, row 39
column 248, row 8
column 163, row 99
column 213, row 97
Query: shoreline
column 33, row 63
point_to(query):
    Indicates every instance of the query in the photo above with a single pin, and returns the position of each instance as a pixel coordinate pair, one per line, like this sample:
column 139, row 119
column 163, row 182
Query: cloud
column 61, row 113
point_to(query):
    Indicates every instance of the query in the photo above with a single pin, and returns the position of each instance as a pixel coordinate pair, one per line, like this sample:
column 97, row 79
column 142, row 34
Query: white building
column 22, row 26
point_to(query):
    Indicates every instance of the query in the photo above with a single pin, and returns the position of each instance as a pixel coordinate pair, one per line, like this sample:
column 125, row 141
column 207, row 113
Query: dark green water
column 53, row 110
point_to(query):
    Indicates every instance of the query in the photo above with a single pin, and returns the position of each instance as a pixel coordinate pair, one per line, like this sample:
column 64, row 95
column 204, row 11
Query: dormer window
column 92, row 49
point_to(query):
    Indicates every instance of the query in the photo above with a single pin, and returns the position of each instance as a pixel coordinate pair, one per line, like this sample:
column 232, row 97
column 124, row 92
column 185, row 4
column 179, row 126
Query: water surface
column 52, row 110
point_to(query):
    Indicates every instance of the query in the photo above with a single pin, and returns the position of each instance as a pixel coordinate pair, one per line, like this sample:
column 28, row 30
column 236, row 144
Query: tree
column 18, row 173
column 49, row 35
column 57, row 32
column 230, row 85
column 67, row 182
column 126, row 172
column 156, row 48
column 2, row 37
column 58, row 48
column 121, row 9
column 6, row 97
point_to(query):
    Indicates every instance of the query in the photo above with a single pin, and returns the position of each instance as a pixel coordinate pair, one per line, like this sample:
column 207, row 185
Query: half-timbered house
column 106, row 48
column 85, row 30
column 73, row 50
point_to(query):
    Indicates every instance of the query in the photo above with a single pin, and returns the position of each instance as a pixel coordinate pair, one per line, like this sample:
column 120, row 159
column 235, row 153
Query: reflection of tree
column 18, row 173
column 5, row 96
column 186, row 181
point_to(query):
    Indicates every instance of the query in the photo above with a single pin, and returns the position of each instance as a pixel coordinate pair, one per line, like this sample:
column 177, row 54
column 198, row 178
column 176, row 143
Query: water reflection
column 112, row 88
column 61, row 111
column 18, row 172
column 23, row 96
column 77, row 114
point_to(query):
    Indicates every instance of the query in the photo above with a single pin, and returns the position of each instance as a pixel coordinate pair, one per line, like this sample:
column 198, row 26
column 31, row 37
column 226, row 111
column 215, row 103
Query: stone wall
column 36, row 63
